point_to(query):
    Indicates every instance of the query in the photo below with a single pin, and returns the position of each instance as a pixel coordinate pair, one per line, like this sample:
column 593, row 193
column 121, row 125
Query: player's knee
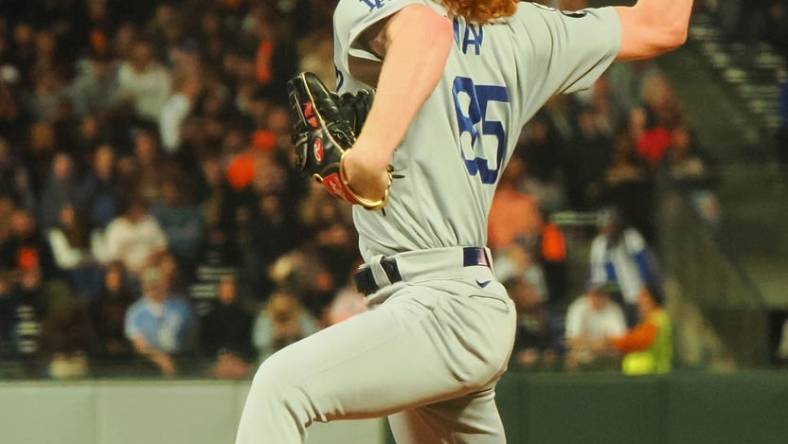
column 479, row 373
column 276, row 386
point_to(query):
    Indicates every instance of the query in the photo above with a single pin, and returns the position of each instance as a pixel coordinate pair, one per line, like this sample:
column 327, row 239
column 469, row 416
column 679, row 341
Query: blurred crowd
column 752, row 20
column 150, row 216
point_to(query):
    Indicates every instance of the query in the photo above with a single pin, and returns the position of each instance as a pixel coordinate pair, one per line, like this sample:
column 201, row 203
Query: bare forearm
column 411, row 70
column 653, row 27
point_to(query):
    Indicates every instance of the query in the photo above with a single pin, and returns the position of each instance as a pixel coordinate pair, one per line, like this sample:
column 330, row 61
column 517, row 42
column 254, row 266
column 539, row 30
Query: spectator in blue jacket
column 159, row 325
column 619, row 254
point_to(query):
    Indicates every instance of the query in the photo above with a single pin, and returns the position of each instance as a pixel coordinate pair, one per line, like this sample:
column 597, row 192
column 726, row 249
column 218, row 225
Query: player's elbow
column 664, row 41
column 646, row 36
column 674, row 37
column 680, row 36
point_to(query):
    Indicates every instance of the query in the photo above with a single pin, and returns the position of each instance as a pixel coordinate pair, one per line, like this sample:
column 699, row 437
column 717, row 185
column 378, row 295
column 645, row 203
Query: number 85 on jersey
column 470, row 103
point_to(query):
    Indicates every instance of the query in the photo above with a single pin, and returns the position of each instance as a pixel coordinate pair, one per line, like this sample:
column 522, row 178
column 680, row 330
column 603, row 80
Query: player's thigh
column 472, row 419
column 373, row 364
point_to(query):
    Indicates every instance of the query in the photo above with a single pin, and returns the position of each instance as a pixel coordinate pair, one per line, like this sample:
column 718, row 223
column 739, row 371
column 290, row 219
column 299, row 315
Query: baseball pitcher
column 454, row 82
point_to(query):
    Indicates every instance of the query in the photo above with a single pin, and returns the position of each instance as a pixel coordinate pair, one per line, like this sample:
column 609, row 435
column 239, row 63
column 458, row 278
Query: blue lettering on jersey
column 470, row 35
column 475, row 120
column 373, row 4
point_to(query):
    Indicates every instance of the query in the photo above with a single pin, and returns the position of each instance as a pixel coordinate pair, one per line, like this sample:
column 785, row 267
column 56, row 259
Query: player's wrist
column 365, row 178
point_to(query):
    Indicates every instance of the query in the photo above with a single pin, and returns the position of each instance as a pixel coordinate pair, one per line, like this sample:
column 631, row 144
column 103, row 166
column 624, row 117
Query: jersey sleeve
column 353, row 17
column 565, row 52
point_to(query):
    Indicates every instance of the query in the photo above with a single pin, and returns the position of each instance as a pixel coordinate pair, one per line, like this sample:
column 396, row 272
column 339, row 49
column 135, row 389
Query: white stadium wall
column 142, row 412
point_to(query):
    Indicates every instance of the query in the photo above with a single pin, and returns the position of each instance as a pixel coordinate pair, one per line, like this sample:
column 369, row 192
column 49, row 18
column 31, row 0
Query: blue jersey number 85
column 475, row 123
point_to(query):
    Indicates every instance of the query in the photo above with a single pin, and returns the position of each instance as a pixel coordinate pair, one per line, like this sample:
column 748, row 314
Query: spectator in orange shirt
column 647, row 348
column 513, row 214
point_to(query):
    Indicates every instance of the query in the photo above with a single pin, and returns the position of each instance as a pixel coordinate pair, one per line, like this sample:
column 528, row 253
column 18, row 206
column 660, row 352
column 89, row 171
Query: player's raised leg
column 421, row 347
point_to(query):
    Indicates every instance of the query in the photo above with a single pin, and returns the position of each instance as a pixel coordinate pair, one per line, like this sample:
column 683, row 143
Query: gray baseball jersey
column 496, row 78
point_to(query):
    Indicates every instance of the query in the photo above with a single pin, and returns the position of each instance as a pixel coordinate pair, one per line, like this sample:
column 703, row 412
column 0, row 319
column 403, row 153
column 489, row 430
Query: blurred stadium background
column 145, row 173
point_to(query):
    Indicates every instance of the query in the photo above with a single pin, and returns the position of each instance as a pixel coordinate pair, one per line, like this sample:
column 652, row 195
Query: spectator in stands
column 10, row 171
column 685, row 163
column 177, row 107
column 24, row 248
column 48, row 95
column 95, row 86
column 553, row 259
column 276, row 60
column 619, row 254
column 226, row 332
column 135, row 236
column 625, row 167
column 70, row 242
column 38, row 299
column 83, row 140
column 143, row 81
column 282, row 322
column 159, row 325
column 38, row 153
column 590, row 321
column 61, row 189
column 647, row 348
column 687, row 168
column 108, row 314
column 651, row 137
column 150, row 168
column 67, row 338
column 180, row 221
column 629, row 185
column 534, row 344
column 101, row 190
column 513, row 215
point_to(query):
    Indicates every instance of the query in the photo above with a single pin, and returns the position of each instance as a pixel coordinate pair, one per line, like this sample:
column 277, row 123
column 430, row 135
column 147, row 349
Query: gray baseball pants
column 427, row 355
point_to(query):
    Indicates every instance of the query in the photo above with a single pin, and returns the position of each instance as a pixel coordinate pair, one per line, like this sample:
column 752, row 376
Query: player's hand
column 367, row 173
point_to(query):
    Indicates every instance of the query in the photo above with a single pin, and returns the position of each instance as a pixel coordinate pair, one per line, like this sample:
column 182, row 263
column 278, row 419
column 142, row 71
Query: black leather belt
column 365, row 279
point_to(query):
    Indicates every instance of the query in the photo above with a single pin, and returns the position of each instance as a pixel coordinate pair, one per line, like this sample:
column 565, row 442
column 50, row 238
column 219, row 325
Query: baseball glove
column 325, row 127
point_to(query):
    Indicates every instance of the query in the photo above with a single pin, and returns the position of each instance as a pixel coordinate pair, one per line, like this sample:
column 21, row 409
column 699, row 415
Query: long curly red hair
column 481, row 11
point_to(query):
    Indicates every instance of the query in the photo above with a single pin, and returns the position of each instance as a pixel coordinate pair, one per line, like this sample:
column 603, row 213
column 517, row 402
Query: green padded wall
column 693, row 408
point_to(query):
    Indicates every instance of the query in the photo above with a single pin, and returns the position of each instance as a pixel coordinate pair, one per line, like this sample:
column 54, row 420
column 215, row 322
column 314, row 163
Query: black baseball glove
column 325, row 127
